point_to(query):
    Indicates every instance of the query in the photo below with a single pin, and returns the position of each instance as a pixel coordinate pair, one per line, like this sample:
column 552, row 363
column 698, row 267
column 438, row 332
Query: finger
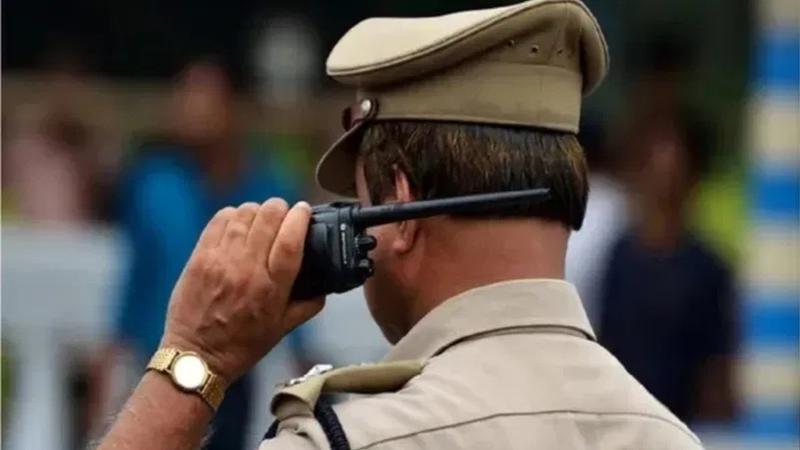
column 301, row 311
column 239, row 225
column 215, row 228
column 287, row 251
column 265, row 227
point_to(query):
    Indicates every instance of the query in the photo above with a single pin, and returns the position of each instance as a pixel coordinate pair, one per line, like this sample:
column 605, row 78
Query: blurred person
column 606, row 217
column 667, row 300
column 57, row 159
column 172, row 188
column 46, row 167
column 492, row 349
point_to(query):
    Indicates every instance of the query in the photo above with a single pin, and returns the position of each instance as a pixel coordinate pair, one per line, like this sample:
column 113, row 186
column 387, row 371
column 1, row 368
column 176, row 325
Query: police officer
column 492, row 349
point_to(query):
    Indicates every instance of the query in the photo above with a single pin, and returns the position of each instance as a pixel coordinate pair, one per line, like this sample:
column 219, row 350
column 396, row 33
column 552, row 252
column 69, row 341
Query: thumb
column 300, row 311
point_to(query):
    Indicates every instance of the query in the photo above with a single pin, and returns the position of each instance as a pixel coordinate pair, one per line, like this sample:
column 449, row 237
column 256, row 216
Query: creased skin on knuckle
column 236, row 230
column 212, row 269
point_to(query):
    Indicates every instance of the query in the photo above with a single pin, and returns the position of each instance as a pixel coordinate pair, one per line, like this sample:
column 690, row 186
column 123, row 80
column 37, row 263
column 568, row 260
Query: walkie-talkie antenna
column 377, row 215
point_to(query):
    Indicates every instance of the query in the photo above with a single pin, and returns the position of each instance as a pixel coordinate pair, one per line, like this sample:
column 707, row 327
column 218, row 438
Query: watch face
column 189, row 371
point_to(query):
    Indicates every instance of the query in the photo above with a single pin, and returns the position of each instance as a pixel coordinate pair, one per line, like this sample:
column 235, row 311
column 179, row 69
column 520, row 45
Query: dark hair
column 444, row 159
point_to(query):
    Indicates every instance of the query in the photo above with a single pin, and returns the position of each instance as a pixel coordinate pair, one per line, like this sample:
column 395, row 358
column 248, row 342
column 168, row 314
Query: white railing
column 59, row 291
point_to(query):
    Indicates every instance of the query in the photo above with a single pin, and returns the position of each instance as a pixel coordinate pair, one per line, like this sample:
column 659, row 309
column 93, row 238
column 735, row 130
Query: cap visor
column 336, row 168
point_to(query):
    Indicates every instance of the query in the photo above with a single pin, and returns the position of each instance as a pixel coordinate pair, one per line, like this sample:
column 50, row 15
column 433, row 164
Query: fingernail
column 302, row 204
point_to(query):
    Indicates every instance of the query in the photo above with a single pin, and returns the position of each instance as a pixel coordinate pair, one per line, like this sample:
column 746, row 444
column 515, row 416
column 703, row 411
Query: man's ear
column 407, row 230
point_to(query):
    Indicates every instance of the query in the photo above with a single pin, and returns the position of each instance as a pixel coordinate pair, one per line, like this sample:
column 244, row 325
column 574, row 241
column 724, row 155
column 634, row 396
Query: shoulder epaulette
column 301, row 396
column 304, row 392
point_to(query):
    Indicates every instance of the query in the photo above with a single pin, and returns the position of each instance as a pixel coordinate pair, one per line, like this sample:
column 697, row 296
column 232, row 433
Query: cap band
column 491, row 92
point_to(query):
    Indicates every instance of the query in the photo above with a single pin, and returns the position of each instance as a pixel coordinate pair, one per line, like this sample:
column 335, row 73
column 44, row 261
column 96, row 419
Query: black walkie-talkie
column 335, row 256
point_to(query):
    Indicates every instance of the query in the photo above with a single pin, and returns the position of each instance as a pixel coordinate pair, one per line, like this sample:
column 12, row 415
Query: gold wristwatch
column 189, row 373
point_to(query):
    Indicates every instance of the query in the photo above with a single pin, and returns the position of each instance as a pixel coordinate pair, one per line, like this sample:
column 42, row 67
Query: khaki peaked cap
column 526, row 64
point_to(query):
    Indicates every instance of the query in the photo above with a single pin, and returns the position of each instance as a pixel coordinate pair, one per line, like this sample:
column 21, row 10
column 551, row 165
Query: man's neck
column 465, row 254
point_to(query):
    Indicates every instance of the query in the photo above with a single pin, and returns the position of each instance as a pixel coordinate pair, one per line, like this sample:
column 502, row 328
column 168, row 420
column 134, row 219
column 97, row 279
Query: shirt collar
column 494, row 307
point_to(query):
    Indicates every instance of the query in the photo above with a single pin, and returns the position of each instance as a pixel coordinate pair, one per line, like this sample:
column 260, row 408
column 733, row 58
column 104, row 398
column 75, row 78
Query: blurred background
column 126, row 124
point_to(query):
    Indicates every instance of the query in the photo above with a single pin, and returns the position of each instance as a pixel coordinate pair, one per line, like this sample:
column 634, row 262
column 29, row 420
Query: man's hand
column 230, row 304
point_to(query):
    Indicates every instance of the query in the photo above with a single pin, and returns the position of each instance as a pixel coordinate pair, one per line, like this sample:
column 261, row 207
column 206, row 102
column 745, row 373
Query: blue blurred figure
column 668, row 302
column 171, row 190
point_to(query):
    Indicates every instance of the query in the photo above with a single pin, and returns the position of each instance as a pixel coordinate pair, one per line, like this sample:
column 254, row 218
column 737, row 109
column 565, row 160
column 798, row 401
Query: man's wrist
column 189, row 372
column 159, row 416
column 163, row 395
column 214, row 363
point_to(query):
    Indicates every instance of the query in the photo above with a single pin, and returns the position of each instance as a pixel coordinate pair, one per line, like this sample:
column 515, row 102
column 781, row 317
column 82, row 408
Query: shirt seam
column 531, row 413
column 516, row 330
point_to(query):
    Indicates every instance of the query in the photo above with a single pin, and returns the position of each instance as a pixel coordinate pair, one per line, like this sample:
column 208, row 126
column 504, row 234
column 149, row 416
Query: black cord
column 329, row 422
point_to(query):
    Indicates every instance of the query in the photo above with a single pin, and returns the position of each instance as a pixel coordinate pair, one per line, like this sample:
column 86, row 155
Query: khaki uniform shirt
column 512, row 365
